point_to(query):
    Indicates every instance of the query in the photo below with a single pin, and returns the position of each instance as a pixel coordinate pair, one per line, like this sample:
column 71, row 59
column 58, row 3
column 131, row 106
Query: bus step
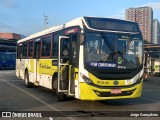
column 71, row 95
column 36, row 83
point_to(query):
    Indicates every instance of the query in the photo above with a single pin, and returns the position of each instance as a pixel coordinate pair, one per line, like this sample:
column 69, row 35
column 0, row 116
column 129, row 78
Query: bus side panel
column 22, row 68
column 30, row 67
column 45, row 73
column 18, row 67
column 34, row 70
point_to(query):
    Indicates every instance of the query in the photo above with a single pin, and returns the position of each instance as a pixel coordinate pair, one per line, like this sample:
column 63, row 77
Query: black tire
column 54, row 84
column 61, row 96
column 27, row 83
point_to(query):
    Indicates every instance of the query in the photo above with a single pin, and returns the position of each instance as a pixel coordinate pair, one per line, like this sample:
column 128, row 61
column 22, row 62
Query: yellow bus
column 88, row 58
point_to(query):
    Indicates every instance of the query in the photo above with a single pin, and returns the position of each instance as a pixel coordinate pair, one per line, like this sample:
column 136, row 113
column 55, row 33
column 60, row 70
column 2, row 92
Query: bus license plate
column 116, row 91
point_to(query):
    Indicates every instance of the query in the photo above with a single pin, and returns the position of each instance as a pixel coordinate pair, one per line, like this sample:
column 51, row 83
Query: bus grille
column 109, row 94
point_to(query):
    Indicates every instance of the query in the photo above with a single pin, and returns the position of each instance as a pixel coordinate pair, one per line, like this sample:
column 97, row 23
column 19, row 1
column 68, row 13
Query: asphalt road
column 14, row 96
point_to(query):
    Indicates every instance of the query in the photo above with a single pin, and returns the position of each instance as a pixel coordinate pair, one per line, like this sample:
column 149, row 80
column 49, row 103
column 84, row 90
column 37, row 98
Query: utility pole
column 45, row 21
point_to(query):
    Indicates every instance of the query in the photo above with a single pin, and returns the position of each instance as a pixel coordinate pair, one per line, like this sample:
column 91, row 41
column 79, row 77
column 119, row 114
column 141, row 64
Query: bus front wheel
column 27, row 83
column 61, row 96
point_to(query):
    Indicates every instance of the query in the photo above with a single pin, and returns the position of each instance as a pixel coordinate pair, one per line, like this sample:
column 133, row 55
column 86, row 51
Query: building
column 8, row 41
column 155, row 32
column 144, row 17
column 152, row 58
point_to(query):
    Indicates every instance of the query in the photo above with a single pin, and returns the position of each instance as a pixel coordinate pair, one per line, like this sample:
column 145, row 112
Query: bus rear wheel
column 27, row 83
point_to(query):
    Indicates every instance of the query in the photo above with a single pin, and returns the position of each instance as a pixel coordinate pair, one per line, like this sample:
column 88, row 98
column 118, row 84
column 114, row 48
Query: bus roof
column 74, row 22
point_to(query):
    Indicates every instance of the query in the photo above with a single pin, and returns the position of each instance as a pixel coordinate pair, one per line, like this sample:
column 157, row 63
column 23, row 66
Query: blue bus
column 7, row 60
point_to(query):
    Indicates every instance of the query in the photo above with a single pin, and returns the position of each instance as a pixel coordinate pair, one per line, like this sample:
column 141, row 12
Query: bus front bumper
column 88, row 92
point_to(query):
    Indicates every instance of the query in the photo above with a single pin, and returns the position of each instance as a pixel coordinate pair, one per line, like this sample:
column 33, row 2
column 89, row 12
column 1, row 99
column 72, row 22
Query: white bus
column 88, row 58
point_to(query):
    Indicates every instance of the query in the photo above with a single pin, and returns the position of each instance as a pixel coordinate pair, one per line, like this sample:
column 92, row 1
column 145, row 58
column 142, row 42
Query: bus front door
column 64, row 69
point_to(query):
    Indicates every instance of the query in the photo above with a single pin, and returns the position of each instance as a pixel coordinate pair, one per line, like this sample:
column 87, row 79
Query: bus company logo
column 115, row 82
column 44, row 66
column 119, row 60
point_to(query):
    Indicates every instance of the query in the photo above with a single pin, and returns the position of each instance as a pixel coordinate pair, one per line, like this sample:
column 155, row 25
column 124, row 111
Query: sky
column 27, row 16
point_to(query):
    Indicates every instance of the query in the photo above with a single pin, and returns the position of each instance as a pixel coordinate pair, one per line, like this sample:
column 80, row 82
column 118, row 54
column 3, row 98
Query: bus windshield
column 113, row 51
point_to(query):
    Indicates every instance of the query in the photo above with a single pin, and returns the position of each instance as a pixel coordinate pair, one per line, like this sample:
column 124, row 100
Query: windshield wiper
column 107, row 42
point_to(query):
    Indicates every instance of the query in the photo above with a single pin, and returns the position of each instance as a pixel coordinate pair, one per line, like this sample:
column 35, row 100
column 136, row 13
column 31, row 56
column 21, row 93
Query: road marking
column 13, row 80
column 53, row 108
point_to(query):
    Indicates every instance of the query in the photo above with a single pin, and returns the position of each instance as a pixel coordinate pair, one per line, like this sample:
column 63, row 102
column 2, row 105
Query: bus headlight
column 86, row 79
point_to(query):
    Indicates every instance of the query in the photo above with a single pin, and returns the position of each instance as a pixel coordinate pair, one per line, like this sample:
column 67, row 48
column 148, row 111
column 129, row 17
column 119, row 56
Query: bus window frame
column 24, row 57
column 19, row 52
column 56, row 37
column 28, row 49
column 41, row 43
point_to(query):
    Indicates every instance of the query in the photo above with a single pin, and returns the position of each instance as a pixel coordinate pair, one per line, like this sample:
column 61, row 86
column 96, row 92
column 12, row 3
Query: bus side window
column 24, row 50
column 30, row 49
column 19, row 51
column 46, row 46
column 55, row 46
